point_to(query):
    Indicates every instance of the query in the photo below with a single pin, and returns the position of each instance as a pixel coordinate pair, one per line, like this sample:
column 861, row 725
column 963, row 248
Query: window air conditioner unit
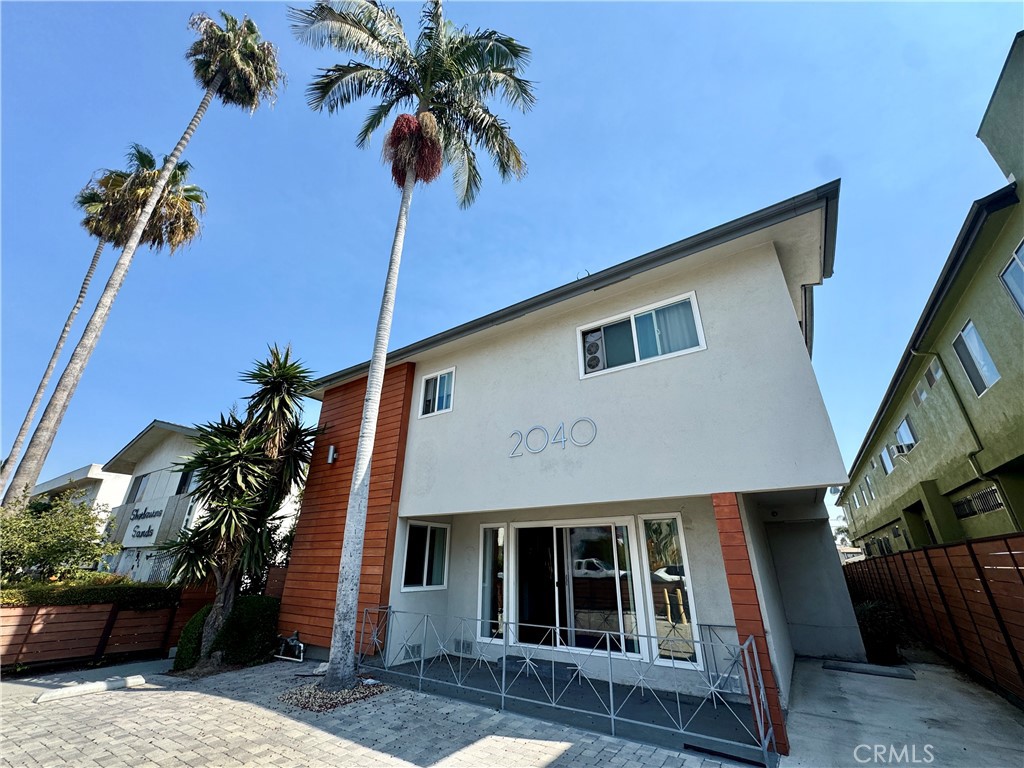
column 899, row 450
column 593, row 351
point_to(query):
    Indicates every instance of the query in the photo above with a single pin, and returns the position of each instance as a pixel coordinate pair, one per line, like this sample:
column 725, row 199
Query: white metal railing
column 700, row 681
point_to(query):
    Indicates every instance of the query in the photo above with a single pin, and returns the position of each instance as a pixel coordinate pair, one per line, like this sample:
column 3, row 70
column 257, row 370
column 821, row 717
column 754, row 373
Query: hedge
column 190, row 641
column 130, row 596
column 249, row 634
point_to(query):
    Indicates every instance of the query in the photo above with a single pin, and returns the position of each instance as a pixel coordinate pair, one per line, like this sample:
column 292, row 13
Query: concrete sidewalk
column 942, row 719
column 236, row 719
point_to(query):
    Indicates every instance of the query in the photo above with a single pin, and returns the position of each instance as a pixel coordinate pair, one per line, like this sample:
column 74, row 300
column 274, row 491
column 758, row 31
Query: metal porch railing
column 697, row 681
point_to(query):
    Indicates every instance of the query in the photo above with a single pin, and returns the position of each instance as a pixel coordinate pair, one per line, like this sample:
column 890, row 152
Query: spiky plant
column 446, row 78
column 245, row 467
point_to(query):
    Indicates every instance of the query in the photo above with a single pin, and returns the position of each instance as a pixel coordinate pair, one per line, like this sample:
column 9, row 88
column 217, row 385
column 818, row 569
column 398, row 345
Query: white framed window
column 493, row 581
column 920, row 393
column 975, row 359
column 437, row 392
column 933, row 374
column 426, row 556
column 886, row 460
column 137, row 489
column 863, row 495
column 905, row 434
column 1012, row 277
column 870, row 487
column 671, row 607
column 667, row 329
column 856, row 499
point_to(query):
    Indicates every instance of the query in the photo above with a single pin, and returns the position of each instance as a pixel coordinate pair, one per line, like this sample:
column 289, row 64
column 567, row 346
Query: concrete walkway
column 942, row 719
column 236, row 719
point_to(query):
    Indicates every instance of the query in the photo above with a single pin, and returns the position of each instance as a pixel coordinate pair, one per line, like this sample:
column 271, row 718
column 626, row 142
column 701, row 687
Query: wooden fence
column 966, row 600
column 42, row 634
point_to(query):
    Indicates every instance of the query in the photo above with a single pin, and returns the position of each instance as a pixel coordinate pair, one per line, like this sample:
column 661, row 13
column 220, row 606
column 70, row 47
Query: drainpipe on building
column 972, row 456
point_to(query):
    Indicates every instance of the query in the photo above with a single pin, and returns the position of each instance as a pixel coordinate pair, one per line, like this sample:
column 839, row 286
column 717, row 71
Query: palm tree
column 446, row 76
column 112, row 202
column 231, row 63
column 245, row 468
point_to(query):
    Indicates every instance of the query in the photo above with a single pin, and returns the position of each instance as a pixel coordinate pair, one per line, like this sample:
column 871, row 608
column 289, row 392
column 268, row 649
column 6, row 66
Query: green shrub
column 50, row 536
column 125, row 595
column 882, row 629
column 249, row 635
column 190, row 641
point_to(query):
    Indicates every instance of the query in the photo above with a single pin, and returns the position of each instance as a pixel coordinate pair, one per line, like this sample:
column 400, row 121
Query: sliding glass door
column 575, row 586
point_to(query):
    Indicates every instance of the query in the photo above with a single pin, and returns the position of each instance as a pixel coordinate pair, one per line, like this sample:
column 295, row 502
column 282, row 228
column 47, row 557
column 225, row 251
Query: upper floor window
column 657, row 331
column 975, row 359
column 187, row 482
column 920, row 394
column 870, row 486
column 437, row 392
column 933, row 374
column 905, row 434
column 1013, row 278
column 137, row 489
column 886, row 460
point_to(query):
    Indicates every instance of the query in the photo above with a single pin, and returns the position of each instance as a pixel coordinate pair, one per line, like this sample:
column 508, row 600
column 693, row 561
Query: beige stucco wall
column 743, row 414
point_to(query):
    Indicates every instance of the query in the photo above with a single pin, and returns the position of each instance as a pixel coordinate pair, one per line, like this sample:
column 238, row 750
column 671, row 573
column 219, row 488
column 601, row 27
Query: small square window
column 975, row 359
column 933, row 374
column 920, row 394
column 438, row 391
column 426, row 557
column 137, row 489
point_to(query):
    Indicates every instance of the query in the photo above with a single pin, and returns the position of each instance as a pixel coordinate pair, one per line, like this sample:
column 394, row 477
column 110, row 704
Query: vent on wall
column 412, row 652
column 463, row 647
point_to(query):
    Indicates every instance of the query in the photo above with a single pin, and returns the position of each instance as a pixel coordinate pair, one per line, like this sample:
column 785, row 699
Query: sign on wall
column 143, row 525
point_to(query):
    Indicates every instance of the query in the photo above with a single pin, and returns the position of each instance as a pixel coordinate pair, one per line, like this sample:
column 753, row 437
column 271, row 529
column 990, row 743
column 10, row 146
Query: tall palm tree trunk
column 42, row 439
column 341, row 666
column 19, row 440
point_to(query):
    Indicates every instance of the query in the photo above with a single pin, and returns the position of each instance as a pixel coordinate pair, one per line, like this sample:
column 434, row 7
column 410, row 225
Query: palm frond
column 354, row 26
column 340, row 85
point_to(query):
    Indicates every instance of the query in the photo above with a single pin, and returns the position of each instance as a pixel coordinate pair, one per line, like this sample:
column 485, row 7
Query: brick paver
column 236, row 719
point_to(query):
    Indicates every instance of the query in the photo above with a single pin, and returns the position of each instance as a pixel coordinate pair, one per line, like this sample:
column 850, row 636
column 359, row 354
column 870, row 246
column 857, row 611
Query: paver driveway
column 236, row 719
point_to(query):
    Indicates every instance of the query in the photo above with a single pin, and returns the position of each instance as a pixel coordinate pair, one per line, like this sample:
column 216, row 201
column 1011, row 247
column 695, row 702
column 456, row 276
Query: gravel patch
column 315, row 699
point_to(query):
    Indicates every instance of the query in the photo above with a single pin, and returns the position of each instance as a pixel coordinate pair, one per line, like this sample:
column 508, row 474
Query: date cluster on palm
column 414, row 140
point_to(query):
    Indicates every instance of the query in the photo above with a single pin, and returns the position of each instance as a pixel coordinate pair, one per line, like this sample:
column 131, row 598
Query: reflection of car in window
column 669, row 573
column 592, row 568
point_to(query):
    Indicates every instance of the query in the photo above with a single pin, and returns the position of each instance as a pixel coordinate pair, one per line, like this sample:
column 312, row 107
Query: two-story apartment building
column 156, row 506
column 90, row 485
column 621, row 480
column 943, row 458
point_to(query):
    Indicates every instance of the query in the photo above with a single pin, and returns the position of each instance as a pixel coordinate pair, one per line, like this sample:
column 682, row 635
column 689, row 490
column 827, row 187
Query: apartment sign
column 143, row 524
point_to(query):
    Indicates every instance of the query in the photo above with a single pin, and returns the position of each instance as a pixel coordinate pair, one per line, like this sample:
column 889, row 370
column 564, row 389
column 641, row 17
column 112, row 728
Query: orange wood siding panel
column 307, row 603
column 746, row 604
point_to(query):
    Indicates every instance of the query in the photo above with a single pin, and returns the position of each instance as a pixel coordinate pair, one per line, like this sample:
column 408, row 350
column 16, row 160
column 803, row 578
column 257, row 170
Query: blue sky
column 654, row 122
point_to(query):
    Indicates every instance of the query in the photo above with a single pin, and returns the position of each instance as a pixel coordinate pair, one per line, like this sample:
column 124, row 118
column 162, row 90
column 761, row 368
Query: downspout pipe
column 972, row 456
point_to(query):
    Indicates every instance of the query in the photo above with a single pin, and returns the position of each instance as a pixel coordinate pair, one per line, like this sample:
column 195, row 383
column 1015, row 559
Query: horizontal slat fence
column 66, row 633
column 966, row 600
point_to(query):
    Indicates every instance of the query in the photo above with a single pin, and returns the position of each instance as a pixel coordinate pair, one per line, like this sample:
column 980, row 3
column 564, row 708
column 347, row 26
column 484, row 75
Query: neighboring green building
column 943, row 459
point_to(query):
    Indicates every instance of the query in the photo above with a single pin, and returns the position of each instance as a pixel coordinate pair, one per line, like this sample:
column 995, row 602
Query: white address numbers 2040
column 581, row 434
